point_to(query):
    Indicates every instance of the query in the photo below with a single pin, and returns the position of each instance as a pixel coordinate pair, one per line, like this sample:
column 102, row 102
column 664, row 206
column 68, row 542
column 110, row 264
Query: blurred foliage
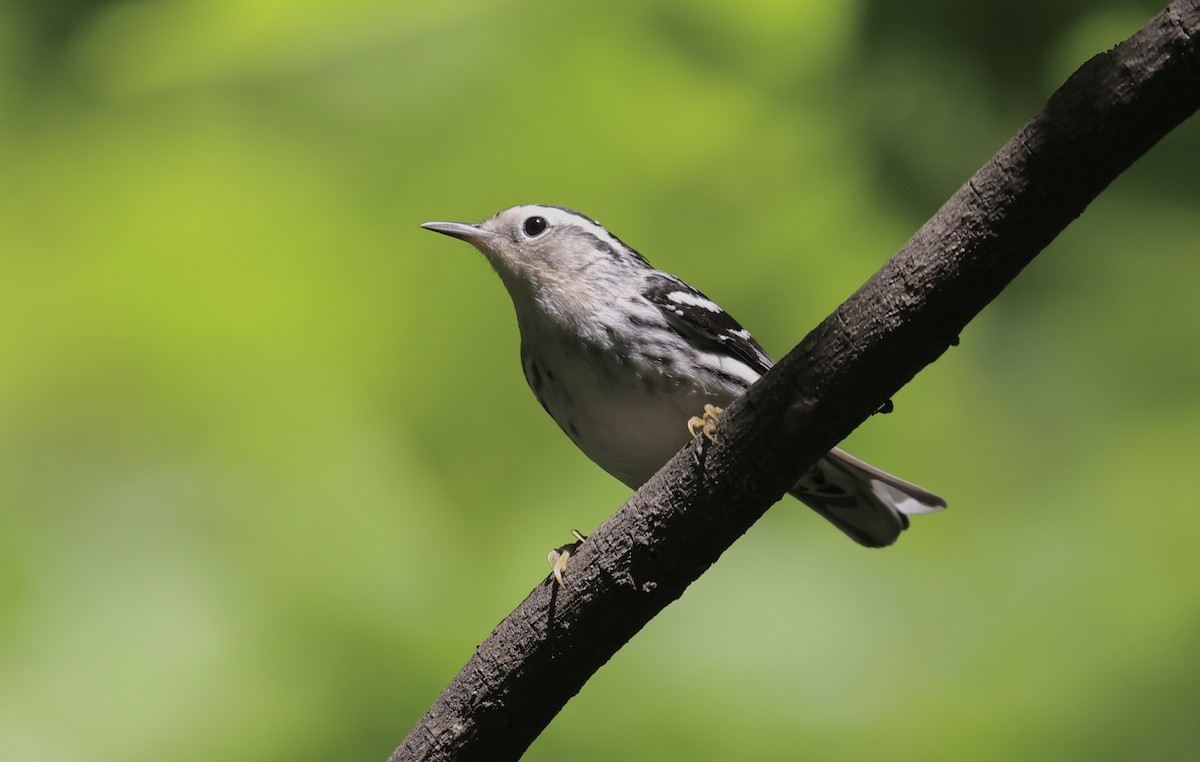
column 269, row 470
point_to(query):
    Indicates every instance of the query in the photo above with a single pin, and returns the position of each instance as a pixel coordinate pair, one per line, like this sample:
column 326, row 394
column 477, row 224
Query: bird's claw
column 707, row 423
column 558, row 557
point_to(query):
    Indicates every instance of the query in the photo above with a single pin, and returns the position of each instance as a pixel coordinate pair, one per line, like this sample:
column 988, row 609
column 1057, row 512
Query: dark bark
column 1110, row 112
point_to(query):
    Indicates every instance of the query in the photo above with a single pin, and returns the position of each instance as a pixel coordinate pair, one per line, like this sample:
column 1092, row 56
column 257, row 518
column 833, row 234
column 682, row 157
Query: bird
column 622, row 356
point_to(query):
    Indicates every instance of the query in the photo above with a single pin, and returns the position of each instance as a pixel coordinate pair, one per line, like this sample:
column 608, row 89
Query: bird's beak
column 472, row 234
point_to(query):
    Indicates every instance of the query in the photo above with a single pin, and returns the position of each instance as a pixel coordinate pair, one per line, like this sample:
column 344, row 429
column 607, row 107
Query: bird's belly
column 631, row 437
column 629, row 424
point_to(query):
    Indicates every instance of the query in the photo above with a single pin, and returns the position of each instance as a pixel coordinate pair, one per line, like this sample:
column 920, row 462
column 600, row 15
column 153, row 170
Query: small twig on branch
column 1109, row 113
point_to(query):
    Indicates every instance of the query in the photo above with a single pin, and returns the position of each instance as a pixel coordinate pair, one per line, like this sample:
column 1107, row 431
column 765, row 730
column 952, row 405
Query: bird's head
column 538, row 248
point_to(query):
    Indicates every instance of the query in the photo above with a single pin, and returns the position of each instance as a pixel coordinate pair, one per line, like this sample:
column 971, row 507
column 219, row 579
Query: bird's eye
column 534, row 226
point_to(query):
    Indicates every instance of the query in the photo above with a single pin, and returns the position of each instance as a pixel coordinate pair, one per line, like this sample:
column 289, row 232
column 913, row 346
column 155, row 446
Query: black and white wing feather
column 702, row 322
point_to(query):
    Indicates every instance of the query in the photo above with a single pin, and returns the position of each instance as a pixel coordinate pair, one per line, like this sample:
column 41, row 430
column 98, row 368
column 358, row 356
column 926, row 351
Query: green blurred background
column 269, row 470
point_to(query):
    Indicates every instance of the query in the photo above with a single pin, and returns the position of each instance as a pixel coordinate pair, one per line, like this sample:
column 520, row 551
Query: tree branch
column 1110, row 112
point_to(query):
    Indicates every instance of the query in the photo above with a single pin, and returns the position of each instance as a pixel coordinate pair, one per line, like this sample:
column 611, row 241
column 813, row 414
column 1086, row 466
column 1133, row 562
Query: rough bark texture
column 1107, row 114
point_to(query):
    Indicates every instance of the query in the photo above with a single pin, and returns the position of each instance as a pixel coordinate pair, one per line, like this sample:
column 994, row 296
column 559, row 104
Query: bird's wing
column 703, row 322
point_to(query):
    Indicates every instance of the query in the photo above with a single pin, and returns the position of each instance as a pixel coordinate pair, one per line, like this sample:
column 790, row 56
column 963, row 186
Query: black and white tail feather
column 621, row 355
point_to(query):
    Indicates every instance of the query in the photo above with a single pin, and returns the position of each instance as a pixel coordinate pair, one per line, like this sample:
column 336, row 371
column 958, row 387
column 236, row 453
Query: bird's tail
column 869, row 505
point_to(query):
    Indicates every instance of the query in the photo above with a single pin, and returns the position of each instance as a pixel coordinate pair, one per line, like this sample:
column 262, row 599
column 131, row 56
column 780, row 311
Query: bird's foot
column 707, row 423
column 558, row 557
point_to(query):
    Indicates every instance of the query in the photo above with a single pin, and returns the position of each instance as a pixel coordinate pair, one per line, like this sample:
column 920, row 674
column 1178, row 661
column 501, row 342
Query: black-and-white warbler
column 622, row 355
